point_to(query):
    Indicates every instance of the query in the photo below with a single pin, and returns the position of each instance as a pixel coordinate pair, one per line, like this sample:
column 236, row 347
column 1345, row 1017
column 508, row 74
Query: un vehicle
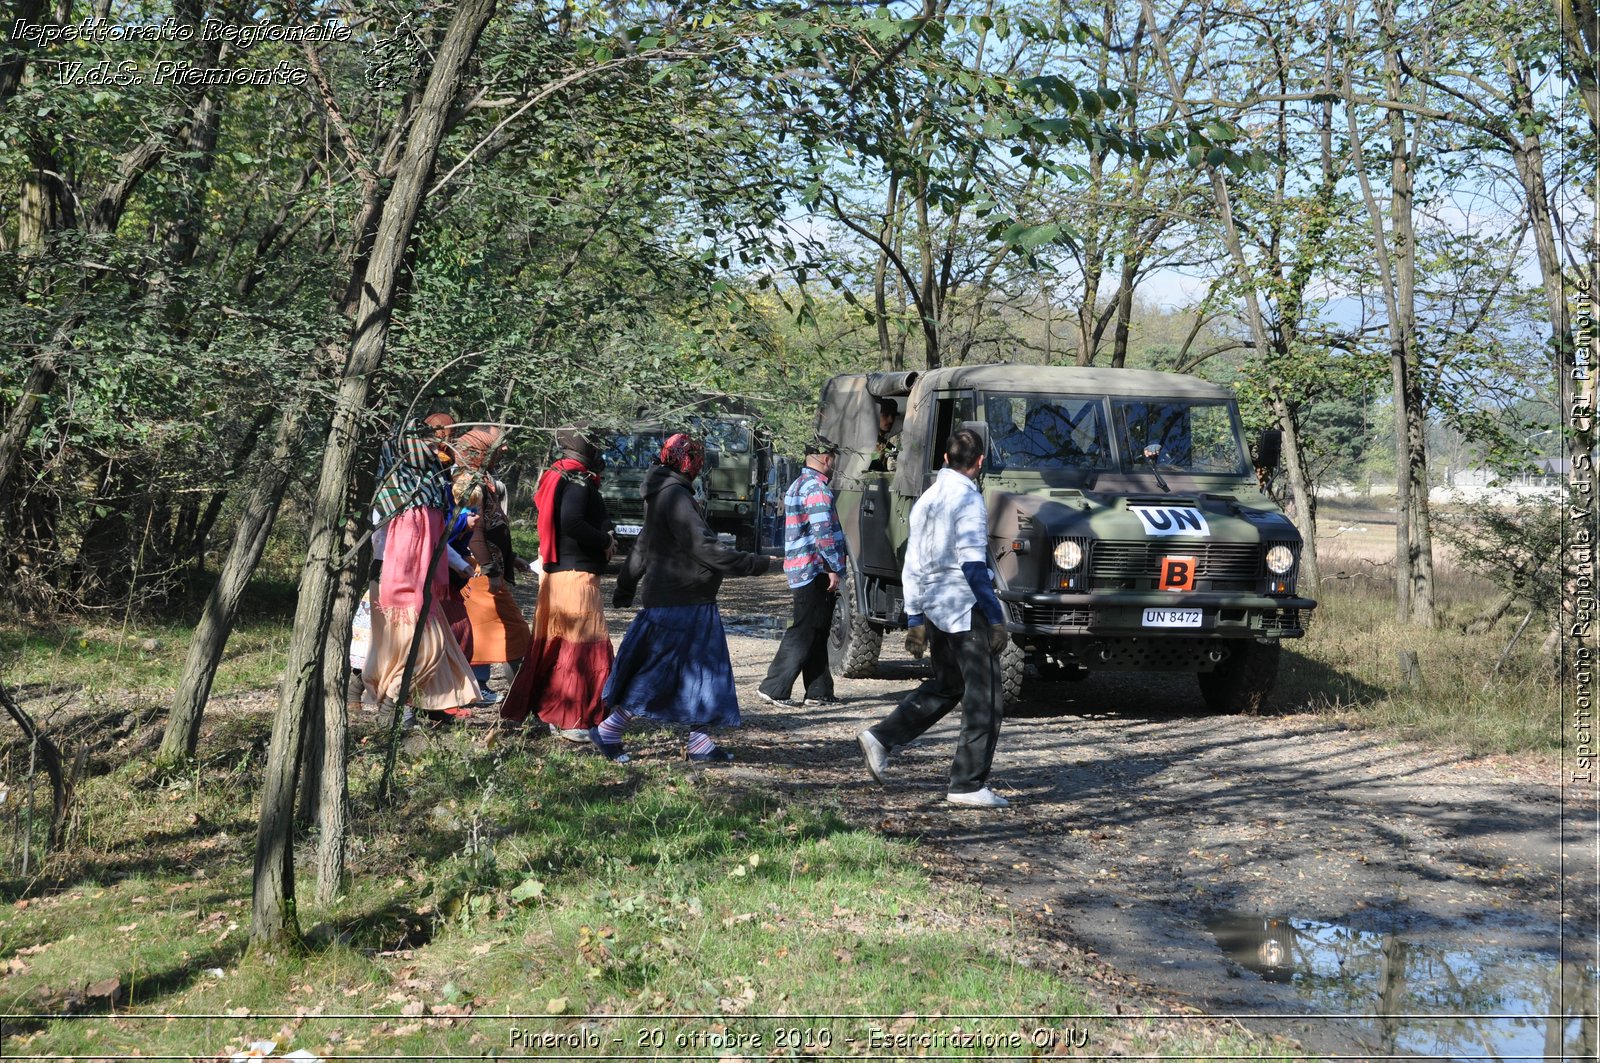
column 1127, row 530
column 734, row 483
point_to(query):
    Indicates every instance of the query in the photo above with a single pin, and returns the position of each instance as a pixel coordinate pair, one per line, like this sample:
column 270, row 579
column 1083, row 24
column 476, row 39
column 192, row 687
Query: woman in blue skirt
column 673, row 663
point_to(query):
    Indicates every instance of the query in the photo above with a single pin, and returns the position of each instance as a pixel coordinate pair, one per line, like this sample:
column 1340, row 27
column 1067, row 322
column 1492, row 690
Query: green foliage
column 1516, row 548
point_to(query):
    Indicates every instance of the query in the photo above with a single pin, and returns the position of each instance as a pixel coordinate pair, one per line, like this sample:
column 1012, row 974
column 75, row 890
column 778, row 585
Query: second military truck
column 1127, row 530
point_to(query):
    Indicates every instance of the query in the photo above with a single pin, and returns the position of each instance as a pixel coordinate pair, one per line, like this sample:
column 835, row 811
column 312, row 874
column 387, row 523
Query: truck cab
column 731, row 489
column 1127, row 527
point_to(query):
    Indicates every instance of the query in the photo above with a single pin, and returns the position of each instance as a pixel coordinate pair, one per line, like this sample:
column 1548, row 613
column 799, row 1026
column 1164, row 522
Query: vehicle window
column 1047, row 432
column 1181, row 435
column 725, row 436
column 633, row 450
column 951, row 411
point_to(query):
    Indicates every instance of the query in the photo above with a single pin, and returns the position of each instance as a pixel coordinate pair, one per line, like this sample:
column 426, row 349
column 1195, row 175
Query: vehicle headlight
column 1280, row 559
column 1068, row 555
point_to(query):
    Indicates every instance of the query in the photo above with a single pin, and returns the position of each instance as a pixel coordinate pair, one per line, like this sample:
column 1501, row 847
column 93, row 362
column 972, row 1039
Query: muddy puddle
column 1415, row 997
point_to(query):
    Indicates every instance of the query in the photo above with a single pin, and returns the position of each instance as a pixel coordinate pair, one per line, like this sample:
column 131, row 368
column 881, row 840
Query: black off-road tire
column 853, row 642
column 1242, row 682
column 1013, row 666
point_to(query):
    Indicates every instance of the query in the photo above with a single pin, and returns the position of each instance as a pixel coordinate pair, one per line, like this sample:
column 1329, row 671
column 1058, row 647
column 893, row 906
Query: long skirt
column 499, row 633
column 442, row 678
column 454, row 608
column 569, row 659
column 673, row 666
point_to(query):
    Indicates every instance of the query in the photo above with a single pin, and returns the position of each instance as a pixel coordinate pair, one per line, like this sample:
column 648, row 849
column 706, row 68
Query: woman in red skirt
column 569, row 657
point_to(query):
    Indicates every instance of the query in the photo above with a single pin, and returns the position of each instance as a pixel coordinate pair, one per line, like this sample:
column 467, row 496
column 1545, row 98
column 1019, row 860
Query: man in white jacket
column 949, row 593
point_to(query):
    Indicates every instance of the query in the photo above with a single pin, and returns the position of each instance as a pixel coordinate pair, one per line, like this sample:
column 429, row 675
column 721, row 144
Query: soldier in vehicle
column 888, row 448
column 949, row 591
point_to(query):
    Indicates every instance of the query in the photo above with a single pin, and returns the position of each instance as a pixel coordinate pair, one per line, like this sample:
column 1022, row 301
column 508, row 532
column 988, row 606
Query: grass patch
column 518, row 898
column 143, row 657
column 1348, row 665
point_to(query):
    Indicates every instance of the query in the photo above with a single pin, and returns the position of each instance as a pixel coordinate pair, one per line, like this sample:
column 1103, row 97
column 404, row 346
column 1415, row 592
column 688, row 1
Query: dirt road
column 1341, row 870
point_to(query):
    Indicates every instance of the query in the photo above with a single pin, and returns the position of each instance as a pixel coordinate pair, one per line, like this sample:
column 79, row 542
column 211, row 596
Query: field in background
column 1349, row 664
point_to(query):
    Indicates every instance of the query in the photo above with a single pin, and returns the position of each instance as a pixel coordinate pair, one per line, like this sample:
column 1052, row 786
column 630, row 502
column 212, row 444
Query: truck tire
column 853, row 643
column 1013, row 665
column 1243, row 681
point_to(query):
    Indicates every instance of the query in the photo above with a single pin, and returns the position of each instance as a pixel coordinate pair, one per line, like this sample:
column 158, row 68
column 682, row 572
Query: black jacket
column 677, row 559
column 583, row 530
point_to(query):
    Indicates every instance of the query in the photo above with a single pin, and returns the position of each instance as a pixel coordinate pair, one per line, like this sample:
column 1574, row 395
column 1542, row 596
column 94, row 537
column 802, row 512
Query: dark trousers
column 804, row 649
column 965, row 672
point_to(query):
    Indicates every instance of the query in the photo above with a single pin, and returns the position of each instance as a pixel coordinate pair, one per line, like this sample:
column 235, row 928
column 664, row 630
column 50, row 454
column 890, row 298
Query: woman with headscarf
column 569, row 658
column 673, row 663
column 499, row 632
column 412, row 501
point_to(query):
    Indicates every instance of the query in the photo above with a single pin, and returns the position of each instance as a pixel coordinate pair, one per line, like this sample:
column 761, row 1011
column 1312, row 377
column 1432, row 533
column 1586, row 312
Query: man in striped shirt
column 813, row 563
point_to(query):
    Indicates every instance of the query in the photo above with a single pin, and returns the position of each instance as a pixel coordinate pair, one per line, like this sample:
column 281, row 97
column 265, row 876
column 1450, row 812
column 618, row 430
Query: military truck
column 1128, row 530
column 738, row 457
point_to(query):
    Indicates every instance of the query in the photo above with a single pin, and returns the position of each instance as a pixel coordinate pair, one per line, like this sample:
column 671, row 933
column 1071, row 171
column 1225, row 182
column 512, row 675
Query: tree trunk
column 1299, row 482
column 222, row 605
column 51, row 756
column 273, row 922
column 332, row 799
column 888, row 358
column 1398, row 284
column 933, row 356
column 1580, row 30
column 1410, row 417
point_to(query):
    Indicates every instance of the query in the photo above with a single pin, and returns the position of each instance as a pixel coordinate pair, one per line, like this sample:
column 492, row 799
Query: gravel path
column 1137, row 816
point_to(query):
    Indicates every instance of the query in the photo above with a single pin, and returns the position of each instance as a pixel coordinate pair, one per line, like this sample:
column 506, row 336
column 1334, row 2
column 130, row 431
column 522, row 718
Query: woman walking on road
column 673, row 663
column 569, row 659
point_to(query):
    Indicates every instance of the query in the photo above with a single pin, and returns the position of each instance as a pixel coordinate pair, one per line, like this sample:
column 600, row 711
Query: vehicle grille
column 1285, row 620
column 1049, row 615
column 1126, row 565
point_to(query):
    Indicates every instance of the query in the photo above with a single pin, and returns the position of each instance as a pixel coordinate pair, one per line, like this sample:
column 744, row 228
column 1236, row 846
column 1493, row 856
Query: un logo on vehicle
column 1172, row 520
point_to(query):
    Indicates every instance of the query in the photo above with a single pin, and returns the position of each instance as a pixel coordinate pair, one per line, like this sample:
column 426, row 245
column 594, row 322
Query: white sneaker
column 876, row 756
column 984, row 798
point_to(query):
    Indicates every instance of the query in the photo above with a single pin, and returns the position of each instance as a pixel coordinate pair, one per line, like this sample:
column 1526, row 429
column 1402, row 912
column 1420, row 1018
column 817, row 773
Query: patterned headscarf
column 683, row 453
column 477, row 447
column 439, row 422
column 410, row 474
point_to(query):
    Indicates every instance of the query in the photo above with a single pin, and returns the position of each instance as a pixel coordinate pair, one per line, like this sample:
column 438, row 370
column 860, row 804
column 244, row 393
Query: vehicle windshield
column 728, row 437
column 633, row 450
column 1046, row 432
column 1179, row 435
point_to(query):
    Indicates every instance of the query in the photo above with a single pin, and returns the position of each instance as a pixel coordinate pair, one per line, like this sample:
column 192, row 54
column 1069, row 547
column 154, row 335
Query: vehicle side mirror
column 1269, row 449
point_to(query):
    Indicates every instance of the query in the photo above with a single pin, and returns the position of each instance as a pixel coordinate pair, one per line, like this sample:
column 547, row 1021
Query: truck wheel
column 1013, row 664
column 1243, row 681
column 745, row 539
column 853, row 643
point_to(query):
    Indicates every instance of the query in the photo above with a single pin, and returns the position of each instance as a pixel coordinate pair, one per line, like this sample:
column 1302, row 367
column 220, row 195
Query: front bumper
column 1053, row 614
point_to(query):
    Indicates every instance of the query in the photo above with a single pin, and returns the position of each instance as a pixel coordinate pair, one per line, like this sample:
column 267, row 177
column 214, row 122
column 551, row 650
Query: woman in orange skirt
column 499, row 632
column 569, row 658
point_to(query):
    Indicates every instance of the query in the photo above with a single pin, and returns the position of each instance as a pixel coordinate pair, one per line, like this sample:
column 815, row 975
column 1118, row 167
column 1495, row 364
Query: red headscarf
column 683, row 453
